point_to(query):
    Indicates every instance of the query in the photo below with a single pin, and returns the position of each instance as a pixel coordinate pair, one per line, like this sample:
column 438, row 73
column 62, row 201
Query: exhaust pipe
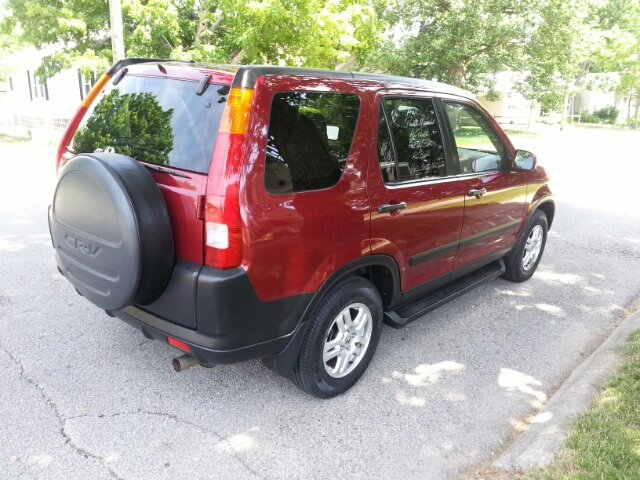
column 183, row 362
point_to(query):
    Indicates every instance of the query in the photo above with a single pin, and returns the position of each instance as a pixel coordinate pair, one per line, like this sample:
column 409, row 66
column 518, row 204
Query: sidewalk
column 537, row 446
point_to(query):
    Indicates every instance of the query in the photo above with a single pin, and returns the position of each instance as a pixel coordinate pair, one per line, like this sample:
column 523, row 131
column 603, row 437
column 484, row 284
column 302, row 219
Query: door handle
column 477, row 193
column 392, row 207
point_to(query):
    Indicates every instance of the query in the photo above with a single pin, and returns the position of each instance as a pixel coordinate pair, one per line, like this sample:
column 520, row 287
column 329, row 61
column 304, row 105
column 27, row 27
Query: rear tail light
column 63, row 154
column 223, row 232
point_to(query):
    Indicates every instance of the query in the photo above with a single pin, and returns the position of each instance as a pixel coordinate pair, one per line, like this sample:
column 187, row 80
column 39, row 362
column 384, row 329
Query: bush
column 633, row 123
column 586, row 117
column 608, row 114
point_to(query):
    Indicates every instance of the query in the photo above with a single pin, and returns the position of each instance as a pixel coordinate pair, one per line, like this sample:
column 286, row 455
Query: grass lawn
column 8, row 139
column 604, row 442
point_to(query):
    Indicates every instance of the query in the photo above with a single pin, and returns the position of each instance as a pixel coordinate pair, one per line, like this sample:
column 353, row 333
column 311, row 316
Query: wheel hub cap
column 532, row 248
column 347, row 340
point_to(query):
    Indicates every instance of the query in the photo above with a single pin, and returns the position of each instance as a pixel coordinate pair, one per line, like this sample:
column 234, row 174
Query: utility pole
column 117, row 42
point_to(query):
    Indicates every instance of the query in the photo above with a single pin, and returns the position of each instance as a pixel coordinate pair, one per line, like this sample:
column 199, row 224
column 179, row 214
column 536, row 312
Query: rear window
column 155, row 120
column 309, row 139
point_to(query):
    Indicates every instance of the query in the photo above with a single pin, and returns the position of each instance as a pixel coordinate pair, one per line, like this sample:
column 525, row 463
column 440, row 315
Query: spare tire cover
column 111, row 230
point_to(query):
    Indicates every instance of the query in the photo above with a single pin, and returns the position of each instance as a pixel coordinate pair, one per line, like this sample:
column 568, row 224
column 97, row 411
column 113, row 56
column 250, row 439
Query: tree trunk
column 236, row 57
column 117, row 42
column 565, row 105
column 533, row 104
column 637, row 114
column 458, row 75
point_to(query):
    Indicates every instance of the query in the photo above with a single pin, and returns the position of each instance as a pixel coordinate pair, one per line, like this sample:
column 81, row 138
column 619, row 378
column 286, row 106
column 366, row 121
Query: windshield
column 155, row 120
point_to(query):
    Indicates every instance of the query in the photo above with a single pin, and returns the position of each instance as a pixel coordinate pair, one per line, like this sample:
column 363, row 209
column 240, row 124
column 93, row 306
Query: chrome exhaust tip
column 183, row 362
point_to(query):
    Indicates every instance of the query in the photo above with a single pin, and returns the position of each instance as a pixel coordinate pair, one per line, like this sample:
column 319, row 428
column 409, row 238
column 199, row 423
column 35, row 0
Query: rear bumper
column 206, row 349
column 218, row 314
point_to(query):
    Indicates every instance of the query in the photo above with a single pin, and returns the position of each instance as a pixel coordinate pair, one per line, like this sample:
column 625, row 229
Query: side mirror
column 524, row 160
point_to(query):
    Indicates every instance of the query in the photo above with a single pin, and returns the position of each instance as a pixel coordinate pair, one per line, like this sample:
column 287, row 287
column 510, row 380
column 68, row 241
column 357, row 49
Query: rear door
column 164, row 124
column 494, row 195
column 416, row 200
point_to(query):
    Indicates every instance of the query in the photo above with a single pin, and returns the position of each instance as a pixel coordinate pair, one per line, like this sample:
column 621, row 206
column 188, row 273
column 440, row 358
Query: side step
column 408, row 312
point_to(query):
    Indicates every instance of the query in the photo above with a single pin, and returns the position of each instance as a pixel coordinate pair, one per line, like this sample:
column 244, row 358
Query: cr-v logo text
column 82, row 247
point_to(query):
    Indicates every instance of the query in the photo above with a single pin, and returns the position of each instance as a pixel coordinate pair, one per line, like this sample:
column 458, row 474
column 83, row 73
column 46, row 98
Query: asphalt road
column 84, row 396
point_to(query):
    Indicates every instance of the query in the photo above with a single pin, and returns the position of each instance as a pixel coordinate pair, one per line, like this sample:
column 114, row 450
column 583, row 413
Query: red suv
column 285, row 213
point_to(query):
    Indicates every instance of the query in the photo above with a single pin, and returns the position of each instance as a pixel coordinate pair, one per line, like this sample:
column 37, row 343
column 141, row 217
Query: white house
column 32, row 102
column 598, row 94
column 511, row 107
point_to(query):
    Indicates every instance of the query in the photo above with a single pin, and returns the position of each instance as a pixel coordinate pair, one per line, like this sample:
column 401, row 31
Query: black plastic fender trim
column 283, row 362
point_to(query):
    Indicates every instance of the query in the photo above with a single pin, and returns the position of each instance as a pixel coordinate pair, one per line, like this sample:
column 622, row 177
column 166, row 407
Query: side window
column 309, row 139
column 479, row 147
column 409, row 141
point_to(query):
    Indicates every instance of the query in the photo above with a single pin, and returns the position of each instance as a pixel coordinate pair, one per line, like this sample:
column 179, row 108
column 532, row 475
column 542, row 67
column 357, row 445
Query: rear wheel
column 523, row 261
column 343, row 334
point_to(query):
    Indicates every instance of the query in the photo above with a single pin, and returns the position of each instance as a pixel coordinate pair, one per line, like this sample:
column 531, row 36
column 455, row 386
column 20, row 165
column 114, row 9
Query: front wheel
column 343, row 334
column 526, row 254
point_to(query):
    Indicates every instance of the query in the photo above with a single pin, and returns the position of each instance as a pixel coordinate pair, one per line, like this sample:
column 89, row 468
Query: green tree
column 312, row 33
column 462, row 42
column 465, row 43
column 133, row 124
column 619, row 46
column 556, row 53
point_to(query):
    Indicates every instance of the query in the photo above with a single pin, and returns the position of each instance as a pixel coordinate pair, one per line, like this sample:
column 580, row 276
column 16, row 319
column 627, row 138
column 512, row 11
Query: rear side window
column 310, row 135
column 155, row 120
column 409, row 141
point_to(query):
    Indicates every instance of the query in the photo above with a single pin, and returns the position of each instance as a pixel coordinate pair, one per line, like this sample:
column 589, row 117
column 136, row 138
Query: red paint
column 504, row 202
column 67, row 136
column 292, row 242
column 181, row 196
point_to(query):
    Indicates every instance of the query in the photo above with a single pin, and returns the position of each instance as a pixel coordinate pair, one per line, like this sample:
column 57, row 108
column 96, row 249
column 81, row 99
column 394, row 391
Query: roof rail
column 132, row 61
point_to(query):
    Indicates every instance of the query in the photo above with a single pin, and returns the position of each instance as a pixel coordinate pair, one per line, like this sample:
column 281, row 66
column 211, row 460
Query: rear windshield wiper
column 120, row 75
column 165, row 170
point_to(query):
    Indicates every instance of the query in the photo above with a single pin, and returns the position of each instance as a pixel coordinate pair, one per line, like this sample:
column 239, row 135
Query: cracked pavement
column 83, row 395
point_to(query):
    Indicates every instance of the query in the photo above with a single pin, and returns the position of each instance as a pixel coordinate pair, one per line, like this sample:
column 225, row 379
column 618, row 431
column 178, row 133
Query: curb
column 548, row 430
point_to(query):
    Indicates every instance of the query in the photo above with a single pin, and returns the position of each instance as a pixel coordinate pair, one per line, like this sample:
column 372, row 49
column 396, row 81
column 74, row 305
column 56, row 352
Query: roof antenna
column 162, row 69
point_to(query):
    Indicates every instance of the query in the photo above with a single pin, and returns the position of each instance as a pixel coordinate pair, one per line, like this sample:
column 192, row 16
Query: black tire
column 111, row 230
column 309, row 372
column 516, row 270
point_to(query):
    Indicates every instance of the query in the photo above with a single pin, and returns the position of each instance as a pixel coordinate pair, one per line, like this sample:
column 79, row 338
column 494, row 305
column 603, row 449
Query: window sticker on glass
column 332, row 132
column 415, row 134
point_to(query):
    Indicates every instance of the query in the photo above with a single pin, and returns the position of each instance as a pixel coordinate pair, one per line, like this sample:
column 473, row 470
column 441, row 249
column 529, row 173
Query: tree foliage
column 311, row 33
column 557, row 52
column 619, row 47
column 133, row 124
column 461, row 42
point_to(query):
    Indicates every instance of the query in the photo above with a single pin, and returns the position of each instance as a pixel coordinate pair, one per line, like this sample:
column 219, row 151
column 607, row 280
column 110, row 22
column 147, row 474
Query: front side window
column 479, row 147
column 155, row 120
column 309, row 139
column 409, row 141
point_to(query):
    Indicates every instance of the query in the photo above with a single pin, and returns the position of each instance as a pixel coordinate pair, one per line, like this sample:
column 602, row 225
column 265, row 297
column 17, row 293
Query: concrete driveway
column 84, row 396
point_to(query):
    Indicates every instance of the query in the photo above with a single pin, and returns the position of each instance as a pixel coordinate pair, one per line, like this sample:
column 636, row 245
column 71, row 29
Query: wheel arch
column 548, row 206
column 381, row 270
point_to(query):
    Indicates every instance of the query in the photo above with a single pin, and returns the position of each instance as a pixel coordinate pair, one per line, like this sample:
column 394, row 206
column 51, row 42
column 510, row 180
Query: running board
column 413, row 310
